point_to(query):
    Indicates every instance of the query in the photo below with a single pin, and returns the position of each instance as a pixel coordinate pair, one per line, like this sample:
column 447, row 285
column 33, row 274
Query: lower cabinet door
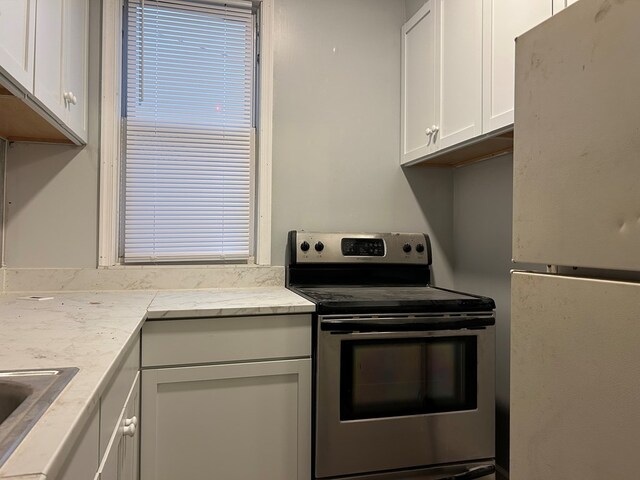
column 121, row 458
column 82, row 462
column 233, row 422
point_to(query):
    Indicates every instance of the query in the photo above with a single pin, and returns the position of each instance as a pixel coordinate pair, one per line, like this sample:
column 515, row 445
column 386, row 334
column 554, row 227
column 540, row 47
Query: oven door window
column 390, row 378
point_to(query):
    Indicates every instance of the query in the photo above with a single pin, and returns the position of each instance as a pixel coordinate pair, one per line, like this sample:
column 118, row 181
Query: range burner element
column 370, row 273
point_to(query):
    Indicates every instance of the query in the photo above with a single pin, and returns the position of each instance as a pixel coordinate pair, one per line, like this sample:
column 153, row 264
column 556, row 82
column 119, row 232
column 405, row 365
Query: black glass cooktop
column 399, row 299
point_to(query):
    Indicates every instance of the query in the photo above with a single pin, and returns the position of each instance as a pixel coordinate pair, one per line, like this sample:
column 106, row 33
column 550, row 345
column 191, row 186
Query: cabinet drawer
column 115, row 395
column 225, row 339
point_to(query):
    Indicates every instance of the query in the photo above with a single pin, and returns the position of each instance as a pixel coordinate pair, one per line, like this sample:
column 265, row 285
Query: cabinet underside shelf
column 19, row 122
column 480, row 148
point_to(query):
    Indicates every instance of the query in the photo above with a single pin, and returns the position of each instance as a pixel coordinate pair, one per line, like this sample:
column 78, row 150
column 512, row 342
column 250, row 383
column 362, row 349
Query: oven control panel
column 383, row 248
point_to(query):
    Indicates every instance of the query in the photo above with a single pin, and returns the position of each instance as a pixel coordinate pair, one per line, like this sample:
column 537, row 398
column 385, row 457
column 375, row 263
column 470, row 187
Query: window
column 187, row 138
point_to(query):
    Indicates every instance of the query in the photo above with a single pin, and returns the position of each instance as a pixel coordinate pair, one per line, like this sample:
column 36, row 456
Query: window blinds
column 187, row 131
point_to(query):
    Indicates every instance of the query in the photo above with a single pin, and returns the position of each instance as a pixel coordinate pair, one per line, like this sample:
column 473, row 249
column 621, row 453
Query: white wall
column 337, row 129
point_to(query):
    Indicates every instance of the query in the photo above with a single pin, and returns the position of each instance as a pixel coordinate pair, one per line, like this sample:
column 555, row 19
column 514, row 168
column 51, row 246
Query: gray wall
column 482, row 211
column 52, row 190
column 411, row 7
column 335, row 164
column 3, row 151
column 51, row 206
column 336, row 136
column 335, row 156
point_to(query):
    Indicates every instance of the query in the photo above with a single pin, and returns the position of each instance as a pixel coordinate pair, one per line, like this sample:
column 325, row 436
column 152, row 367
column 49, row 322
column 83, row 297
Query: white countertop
column 92, row 331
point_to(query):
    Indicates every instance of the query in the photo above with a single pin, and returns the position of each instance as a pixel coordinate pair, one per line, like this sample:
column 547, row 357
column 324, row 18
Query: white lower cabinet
column 109, row 446
column 82, row 462
column 121, row 459
column 232, row 422
column 242, row 411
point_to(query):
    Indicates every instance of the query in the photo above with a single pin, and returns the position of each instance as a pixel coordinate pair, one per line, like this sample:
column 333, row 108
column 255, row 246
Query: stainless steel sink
column 24, row 396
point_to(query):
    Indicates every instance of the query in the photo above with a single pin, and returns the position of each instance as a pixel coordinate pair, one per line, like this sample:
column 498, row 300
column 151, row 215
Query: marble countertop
column 91, row 331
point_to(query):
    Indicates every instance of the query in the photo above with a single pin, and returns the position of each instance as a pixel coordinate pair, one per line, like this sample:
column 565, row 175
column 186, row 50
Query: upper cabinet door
column 504, row 20
column 49, row 73
column 418, row 87
column 459, row 27
column 577, row 138
column 17, row 41
column 61, row 72
column 76, row 41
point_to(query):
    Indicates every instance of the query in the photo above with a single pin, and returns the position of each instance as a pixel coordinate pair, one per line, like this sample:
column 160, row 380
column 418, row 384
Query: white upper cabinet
column 418, row 83
column 503, row 21
column 459, row 55
column 61, row 62
column 441, row 77
column 49, row 75
column 44, row 59
column 458, row 59
column 17, row 27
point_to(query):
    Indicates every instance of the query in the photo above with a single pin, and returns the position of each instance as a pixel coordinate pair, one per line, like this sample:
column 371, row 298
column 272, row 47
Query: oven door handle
column 405, row 324
column 476, row 472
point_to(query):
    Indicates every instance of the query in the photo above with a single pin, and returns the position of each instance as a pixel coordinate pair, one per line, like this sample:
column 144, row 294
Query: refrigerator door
column 577, row 138
column 575, row 378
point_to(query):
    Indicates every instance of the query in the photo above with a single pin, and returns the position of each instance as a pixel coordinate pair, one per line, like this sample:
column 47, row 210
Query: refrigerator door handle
column 476, row 472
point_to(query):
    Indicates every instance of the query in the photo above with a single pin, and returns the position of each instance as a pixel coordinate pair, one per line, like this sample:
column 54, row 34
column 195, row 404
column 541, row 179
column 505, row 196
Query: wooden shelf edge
column 477, row 149
column 19, row 122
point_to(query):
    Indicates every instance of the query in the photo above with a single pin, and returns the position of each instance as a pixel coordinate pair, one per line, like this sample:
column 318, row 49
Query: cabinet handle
column 130, row 426
column 435, row 128
column 428, row 131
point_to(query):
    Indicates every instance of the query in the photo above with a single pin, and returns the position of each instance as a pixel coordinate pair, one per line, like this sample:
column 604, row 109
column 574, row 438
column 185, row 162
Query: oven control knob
column 304, row 246
column 406, row 248
column 419, row 248
column 319, row 246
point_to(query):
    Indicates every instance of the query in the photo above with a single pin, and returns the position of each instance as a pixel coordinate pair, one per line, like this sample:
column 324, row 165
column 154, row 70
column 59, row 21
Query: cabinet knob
column 130, row 426
column 434, row 128
column 129, row 431
column 131, row 421
column 70, row 98
column 428, row 131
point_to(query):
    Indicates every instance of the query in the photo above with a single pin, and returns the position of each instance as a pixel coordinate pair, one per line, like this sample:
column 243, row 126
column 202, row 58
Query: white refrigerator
column 575, row 331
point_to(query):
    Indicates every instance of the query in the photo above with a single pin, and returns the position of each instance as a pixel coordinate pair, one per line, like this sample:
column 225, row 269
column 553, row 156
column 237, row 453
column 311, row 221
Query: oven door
column 397, row 393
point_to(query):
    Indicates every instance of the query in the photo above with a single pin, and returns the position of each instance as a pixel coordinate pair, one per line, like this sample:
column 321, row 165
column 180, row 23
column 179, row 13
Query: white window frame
column 110, row 161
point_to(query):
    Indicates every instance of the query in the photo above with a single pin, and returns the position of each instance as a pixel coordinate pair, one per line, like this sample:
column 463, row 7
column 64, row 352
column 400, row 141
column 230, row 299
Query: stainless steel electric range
column 404, row 372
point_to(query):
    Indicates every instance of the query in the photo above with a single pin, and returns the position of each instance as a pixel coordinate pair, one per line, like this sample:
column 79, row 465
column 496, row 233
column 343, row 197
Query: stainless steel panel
column 332, row 252
column 449, row 472
column 401, row 442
